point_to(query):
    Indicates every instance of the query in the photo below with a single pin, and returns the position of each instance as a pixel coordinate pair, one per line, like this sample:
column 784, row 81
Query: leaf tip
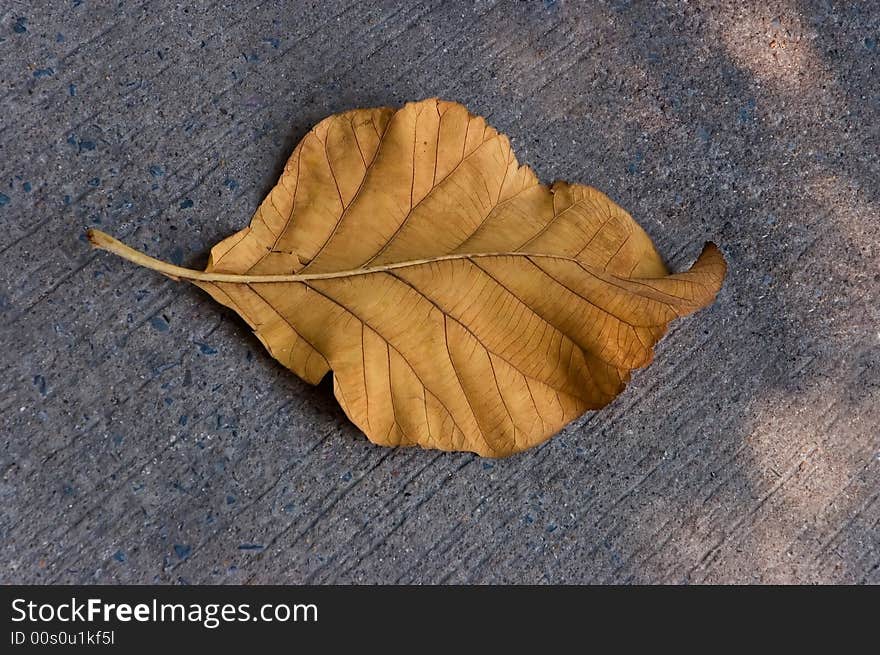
column 710, row 247
column 711, row 256
column 711, row 268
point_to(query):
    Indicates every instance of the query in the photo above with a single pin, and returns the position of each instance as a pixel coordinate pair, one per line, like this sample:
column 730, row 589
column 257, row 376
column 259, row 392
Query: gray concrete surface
column 145, row 436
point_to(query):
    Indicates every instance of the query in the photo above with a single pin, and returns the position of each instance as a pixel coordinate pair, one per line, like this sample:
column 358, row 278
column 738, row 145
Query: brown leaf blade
column 459, row 303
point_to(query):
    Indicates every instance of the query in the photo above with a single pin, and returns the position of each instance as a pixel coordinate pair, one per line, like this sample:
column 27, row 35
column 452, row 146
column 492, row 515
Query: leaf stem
column 104, row 241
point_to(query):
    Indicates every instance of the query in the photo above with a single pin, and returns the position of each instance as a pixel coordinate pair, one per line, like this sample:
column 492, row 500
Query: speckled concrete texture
column 145, row 436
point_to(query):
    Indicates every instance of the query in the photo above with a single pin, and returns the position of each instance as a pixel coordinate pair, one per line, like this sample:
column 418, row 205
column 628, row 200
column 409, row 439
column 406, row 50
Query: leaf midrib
column 106, row 242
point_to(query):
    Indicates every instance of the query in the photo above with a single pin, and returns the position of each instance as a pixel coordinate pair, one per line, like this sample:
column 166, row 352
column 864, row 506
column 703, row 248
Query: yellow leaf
column 460, row 304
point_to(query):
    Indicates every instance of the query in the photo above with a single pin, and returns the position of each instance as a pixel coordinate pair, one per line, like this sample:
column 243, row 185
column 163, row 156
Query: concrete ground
column 145, row 435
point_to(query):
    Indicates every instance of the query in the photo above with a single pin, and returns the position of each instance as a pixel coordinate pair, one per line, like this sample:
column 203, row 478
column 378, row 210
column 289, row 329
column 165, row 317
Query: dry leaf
column 460, row 304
